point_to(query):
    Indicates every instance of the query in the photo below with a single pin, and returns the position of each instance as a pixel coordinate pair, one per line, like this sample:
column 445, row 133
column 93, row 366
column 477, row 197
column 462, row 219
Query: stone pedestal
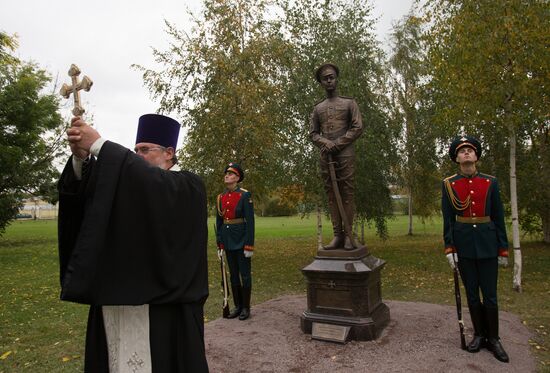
column 344, row 289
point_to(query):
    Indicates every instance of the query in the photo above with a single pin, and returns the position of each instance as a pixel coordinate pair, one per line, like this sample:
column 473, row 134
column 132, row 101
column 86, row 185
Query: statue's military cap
column 323, row 66
column 236, row 169
column 462, row 141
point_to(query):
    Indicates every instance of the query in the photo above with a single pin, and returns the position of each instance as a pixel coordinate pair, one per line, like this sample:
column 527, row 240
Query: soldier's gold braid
column 455, row 201
column 218, row 205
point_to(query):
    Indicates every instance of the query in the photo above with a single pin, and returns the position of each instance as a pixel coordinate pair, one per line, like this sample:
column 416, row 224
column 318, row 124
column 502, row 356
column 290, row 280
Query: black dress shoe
column 494, row 345
column 236, row 312
column 245, row 313
column 476, row 344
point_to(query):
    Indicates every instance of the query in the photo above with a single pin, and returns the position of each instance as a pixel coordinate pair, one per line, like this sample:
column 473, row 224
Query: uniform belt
column 473, row 219
column 233, row 221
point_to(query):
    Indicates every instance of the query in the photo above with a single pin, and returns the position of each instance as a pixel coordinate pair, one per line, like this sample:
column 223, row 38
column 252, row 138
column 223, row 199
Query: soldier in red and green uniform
column 475, row 239
column 235, row 236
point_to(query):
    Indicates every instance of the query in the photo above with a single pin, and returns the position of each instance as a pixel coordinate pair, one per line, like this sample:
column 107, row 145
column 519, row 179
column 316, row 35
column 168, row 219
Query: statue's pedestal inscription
column 343, row 290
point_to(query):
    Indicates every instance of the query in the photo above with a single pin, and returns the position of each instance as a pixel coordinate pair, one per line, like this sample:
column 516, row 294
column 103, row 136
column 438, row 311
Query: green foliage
column 411, row 110
column 224, row 80
column 243, row 82
column 274, row 207
column 489, row 66
column 534, row 195
column 30, row 129
column 340, row 32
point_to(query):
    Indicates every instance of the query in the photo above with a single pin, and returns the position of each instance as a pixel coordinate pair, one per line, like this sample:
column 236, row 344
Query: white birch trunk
column 514, row 207
column 410, row 213
column 319, row 228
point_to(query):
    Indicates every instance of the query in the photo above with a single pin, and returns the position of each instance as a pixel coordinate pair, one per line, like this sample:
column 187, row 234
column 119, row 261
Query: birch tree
column 489, row 67
column 410, row 108
column 341, row 32
column 222, row 80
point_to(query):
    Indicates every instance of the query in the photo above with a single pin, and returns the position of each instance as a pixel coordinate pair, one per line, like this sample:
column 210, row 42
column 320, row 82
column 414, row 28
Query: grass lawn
column 39, row 333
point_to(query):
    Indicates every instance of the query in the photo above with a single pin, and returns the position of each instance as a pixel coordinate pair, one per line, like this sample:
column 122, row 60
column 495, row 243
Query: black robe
column 133, row 234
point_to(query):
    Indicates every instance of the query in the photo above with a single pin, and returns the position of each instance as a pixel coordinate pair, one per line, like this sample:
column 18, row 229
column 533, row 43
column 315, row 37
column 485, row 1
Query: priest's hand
column 78, row 152
column 82, row 135
column 452, row 258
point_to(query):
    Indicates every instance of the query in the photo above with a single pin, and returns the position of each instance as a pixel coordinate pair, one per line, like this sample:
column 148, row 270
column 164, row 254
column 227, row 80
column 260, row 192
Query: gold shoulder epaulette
column 244, row 190
column 487, row 175
column 449, row 178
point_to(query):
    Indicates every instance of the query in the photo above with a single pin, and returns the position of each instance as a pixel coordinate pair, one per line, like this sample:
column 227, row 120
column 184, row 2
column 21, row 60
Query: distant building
column 35, row 208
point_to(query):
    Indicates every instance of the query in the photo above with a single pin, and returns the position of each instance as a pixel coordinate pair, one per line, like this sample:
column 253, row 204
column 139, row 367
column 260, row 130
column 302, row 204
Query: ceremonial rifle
column 336, row 190
column 225, row 286
column 459, row 306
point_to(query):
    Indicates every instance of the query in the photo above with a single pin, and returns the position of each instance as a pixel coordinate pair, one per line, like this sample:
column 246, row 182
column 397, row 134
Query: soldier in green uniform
column 235, row 236
column 334, row 126
column 475, row 239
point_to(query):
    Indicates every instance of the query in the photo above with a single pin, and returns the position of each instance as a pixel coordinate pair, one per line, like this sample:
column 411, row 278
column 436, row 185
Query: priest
column 132, row 244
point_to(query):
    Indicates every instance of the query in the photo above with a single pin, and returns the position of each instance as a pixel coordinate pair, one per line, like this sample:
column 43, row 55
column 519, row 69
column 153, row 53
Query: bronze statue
column 335, row 125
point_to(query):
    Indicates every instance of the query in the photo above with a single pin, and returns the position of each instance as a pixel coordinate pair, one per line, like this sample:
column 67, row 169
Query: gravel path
column 420, row 337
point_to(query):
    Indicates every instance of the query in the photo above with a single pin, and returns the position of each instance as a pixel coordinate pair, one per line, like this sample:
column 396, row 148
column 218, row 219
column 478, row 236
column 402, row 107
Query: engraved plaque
column 330, row 332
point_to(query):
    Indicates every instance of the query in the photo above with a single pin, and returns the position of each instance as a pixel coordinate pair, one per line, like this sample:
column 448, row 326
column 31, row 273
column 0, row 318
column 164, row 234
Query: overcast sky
column 104, row 37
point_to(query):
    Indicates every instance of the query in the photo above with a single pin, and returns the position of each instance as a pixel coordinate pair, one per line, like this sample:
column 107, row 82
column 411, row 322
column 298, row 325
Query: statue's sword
column 347, row 226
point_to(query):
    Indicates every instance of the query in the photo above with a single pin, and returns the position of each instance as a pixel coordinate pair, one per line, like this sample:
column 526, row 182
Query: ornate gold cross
column 66, row 90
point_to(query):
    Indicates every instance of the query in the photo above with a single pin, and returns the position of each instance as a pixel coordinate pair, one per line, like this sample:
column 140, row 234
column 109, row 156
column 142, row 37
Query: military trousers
column 479, row 274
column 240, row 268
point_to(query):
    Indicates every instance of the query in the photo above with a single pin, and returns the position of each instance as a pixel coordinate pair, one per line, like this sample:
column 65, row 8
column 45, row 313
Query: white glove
column 503, row 261
column 220, row 254
column 248, row 253
column 452, row 258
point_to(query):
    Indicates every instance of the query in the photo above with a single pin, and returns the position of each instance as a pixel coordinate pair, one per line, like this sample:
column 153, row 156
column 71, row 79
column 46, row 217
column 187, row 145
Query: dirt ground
column 420, row 337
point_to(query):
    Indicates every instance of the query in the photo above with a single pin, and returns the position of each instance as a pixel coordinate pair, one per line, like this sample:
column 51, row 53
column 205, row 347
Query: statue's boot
column 336, row 243
column 479, row 340
column 493, row 340
column 348, row 245
column 349, row 210
column 338, row 240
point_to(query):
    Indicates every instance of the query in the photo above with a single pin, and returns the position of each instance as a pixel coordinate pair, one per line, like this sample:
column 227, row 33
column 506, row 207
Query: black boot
column 493, row 341
column 237, row 299
column 245, row 314
column 479, row 340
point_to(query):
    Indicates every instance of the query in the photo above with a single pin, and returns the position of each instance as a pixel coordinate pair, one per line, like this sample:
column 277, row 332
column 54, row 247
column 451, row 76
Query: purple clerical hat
column 158, row 129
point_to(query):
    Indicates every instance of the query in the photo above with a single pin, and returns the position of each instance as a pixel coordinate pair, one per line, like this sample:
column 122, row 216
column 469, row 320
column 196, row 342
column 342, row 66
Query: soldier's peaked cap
column 322, row 67
column 462, row 141
column 236, row 169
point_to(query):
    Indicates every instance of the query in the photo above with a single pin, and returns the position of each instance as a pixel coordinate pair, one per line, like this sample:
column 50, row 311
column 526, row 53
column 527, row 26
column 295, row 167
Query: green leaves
column 29, row 132
column 486, row 64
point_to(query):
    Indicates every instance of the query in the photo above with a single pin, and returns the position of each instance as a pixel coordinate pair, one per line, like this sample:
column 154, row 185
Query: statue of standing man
column 335, row 125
